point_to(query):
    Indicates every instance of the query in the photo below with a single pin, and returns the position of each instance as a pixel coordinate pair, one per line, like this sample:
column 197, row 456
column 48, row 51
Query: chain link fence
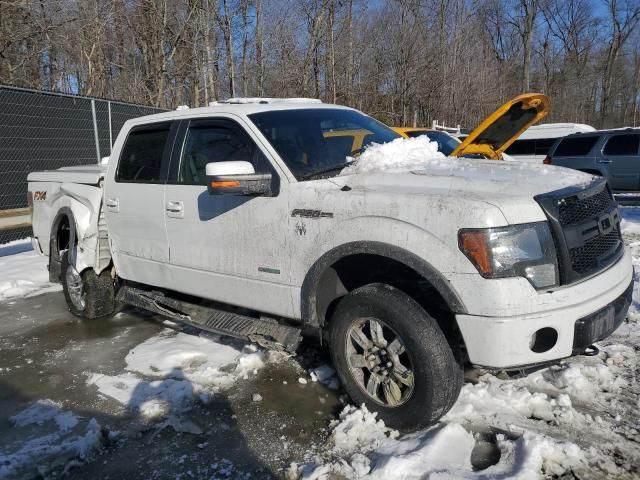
column 46, row 131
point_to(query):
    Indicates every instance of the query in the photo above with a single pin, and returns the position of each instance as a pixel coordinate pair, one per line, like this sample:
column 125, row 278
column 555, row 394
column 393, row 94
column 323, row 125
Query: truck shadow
column 42, row 438
column 212, row 206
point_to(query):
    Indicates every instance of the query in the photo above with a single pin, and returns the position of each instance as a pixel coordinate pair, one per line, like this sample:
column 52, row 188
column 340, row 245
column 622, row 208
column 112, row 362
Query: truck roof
column 554, row 130
column 239, row 106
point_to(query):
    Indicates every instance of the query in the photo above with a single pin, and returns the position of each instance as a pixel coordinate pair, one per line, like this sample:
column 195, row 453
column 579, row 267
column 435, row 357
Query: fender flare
column 55, row 263
column 419, row 265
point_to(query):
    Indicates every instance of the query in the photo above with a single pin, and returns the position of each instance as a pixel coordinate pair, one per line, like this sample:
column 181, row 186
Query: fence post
column 95, row 129
column 110, row 129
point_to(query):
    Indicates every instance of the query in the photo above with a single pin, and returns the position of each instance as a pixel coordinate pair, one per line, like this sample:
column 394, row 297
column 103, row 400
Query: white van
column 534, row 144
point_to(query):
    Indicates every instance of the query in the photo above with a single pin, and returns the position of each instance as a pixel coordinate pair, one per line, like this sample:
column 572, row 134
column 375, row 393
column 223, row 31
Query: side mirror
column 236, row 178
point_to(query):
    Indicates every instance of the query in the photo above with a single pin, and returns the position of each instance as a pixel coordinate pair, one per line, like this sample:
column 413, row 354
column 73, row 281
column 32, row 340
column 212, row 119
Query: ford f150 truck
column 235, row 218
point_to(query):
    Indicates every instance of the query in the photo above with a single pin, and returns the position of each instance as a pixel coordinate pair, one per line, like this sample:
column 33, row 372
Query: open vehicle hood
column 500, row 129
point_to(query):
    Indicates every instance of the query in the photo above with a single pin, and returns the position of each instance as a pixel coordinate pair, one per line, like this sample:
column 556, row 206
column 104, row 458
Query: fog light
column 541, row 275
column 543, row 340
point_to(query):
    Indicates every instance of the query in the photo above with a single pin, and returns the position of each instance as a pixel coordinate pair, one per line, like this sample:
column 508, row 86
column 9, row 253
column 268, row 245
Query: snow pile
column 67, row 441
column 364, row 448
column 399, row 155
column 420, row 155
column 42, row 411
column 23, row 273
column 168, row 372
column 630, row 221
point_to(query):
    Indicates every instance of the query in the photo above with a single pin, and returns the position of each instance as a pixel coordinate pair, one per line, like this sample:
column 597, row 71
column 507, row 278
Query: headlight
column 525, row 250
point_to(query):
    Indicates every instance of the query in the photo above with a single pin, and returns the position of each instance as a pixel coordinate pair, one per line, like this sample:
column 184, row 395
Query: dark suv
column 613, row 154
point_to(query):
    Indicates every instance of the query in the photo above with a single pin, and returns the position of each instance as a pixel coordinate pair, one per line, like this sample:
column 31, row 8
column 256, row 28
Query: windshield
column 446, row 143
column 315, row 142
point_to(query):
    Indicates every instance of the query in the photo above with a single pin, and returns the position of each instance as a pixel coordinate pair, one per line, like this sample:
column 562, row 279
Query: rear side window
column 575, row 147
column 622, row 145
column 539, row 146
column 522, row 147
column 543, row 145
column 141, row 158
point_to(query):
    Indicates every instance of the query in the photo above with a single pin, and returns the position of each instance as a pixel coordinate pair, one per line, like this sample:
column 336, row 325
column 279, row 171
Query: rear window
column 539, row 146
column 141, row 158
column 576, row 146
column 622, row 145
column 522, row 147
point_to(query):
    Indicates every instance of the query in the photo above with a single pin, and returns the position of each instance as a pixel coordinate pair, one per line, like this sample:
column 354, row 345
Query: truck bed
column 84, row 174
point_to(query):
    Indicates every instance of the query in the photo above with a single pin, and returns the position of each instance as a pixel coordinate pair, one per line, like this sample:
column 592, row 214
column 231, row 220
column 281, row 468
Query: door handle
column 604, row 160
column 113, row 204
column 174, row 207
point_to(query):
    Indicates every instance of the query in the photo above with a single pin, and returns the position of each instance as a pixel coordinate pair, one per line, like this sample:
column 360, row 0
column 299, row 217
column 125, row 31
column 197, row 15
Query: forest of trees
column 403, row 61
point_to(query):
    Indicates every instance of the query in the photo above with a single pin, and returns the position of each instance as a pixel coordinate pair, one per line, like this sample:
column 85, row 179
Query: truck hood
column 507, row 186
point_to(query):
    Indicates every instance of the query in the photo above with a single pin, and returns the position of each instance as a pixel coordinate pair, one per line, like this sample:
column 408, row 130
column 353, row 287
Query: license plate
column 603, row 323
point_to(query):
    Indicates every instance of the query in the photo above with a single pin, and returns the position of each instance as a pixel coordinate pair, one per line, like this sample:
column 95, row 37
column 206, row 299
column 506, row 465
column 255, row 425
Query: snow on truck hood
column 414, row 166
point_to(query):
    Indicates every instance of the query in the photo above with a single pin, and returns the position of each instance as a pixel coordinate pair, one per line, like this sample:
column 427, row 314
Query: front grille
column 586, row 229
column 574, row 210
column 588, row 257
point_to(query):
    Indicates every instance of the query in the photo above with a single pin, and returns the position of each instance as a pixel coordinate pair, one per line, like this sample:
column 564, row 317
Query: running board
column 265, row 332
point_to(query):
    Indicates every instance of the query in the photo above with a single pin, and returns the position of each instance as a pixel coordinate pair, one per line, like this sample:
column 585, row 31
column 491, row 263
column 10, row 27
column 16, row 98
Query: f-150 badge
column 298, row 212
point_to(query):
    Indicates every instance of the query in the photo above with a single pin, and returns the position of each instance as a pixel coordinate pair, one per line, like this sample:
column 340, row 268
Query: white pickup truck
column 236, row 219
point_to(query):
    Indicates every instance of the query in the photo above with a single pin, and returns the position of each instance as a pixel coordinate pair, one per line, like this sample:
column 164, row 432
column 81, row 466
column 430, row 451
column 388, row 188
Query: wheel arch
column 64, row 216
column 312, row 284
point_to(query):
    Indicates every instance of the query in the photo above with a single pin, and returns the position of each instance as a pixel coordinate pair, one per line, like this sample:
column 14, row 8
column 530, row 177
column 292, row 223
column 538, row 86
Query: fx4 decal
column 302, row 213
column 301, row 228
column 39, row 196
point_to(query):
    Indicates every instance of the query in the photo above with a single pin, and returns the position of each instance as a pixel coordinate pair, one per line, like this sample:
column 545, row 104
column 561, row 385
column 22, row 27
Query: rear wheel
column 392, row 356
column 88, row 295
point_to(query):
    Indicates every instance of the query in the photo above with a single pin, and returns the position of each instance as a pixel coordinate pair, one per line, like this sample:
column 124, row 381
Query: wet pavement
column 46, row 353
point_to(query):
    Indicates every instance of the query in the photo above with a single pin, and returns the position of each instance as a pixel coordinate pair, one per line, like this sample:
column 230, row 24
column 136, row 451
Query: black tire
column 99, row 292
column 437, row 376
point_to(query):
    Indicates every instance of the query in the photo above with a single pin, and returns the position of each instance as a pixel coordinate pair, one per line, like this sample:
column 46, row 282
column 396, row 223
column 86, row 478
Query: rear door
column 227, row 248
column 134, row 204
column 620, row 157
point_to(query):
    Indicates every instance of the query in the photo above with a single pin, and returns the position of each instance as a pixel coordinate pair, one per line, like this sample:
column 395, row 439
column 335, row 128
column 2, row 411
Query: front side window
column 317, row 142
column 622, row 145
column 141, row 158
column 218, row 142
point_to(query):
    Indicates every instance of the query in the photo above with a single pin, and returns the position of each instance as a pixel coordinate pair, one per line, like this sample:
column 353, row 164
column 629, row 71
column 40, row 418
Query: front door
column 134, row 204
column 227, row 248
column 621, row 158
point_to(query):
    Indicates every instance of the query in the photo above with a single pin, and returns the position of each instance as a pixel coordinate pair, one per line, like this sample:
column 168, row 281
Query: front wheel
column 88, row 295
column 392, row 356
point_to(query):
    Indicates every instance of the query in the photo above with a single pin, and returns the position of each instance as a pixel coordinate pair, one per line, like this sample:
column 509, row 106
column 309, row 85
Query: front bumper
column 509, row 341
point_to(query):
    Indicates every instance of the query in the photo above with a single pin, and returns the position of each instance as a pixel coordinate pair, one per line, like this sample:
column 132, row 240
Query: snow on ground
column 23, row 273
column 168, row 372
column 68, row 439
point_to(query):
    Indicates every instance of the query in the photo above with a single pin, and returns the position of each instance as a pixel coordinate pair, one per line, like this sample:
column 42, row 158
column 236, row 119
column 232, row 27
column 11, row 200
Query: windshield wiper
column 323, row 171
